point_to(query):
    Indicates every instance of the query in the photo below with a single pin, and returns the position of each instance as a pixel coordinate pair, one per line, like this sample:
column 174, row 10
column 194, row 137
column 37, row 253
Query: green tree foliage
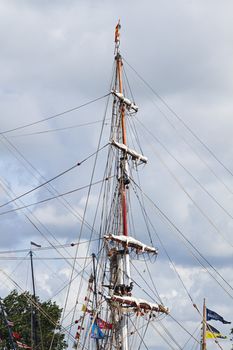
column 19, row 308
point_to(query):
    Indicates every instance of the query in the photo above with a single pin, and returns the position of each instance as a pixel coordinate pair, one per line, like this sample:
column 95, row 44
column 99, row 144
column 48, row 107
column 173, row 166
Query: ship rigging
column 113, row 304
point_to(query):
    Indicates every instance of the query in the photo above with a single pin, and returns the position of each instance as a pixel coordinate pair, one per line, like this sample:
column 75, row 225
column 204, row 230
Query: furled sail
column 138, row 303
column 128, row 241
column 130, row 105
column 131, row 152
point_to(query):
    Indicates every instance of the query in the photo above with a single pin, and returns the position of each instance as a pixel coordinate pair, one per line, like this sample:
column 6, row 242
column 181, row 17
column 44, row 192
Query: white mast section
column 128, row 241
column 135, row 156
column 130, row 105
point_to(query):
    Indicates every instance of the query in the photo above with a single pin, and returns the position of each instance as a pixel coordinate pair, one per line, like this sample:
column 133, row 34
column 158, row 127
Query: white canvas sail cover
column 131, row 242
column 130, row 105
column 131, row 152
column 138, row 303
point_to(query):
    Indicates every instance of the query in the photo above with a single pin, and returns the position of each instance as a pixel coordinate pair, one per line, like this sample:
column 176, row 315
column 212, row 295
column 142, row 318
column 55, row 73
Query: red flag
column 117, row 32
column 16, row 335
column 103, row 324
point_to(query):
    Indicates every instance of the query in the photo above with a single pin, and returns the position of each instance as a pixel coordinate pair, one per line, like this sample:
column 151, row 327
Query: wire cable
column 168, row 220
column 207, row 148
column 51, row 198
column 193, row 177
column 60, row 246
column 52, row 179
column 50, row 188
column 55, row 115
column 56, row 129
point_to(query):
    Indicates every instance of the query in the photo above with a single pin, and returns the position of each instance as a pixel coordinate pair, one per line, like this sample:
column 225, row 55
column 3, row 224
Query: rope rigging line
column 163, row 337
column 169, row 314
column 146, row 282
column 87, row 201
column 55, row 115
column 14, row 269
column 56, row 129
column 175, row 269
column 173, row 264
column 165, row 329
column 45, row 236
column 191, row 335
column 85, row 210
column 83, row 221
column 61, row 246
column 44, row 258
column 53, row 178
column 207, row 148
column 155, row 231
column 197, row 154
column 51, row 198
column 66, row 284
column 50, row 188
column 189, row 145
column 152, row 281
column 53, row 270
column 194, row 332
column 193, row 201
column 189, row 242
column 188, row 172
column 136, row 330
column 143, row 209
column 132, row 127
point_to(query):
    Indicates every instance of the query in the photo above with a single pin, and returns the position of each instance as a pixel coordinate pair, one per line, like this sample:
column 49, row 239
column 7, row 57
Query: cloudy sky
column 56, row 55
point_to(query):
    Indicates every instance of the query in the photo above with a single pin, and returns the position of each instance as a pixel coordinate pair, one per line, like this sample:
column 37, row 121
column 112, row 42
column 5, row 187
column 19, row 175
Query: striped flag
column 213, row 333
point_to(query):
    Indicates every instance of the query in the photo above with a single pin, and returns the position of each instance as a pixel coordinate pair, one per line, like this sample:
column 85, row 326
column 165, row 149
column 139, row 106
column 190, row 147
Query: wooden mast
column 203, row 345
column 119, row 65
column 123, row 259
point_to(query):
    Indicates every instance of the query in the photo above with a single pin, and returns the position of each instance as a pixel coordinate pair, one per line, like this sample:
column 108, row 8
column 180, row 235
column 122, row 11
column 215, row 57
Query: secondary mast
column 203, row 343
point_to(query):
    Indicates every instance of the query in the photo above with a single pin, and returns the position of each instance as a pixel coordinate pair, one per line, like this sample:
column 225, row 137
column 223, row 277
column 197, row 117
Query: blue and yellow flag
column 213, row 333
column 212, row 315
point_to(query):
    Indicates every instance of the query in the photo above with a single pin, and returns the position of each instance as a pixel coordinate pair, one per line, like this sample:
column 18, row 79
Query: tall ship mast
column 115, row 316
